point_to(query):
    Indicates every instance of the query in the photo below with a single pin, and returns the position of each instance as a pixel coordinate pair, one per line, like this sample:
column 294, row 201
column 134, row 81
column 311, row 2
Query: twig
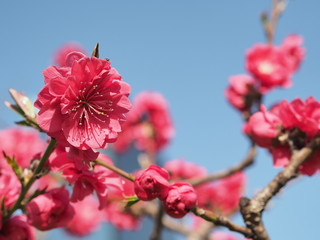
column 25, row 188
column 247, row 161
column 270, row 25
column 150, row 209
column 201, row 232
column 158, row 225
column 252, row 210
column 222, row 221
column 115, row 169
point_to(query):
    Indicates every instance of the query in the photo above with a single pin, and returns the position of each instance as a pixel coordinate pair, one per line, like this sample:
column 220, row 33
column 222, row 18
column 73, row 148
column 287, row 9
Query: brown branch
column 220, row 220
column 270, row 23
column 150, row 209
column 115, row 169
column 158, row 225
column 252, row 210
column 246, row 162
column 201, row 232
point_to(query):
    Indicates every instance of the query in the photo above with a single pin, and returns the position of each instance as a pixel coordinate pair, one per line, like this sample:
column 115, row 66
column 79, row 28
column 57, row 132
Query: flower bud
column 180, row 200
column 151, row 183
column 50, row 210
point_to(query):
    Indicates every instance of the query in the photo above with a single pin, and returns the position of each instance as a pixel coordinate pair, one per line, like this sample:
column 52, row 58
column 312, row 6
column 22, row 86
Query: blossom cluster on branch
column 67, row 180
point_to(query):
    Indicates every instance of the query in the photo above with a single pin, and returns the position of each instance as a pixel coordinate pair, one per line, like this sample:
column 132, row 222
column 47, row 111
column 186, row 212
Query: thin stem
column 246, row 162
column 115, row 169
column 35, row 175
column 150, row 209
column 158, row 225
column 221, row 221
column 201, row 232
column 270, row 25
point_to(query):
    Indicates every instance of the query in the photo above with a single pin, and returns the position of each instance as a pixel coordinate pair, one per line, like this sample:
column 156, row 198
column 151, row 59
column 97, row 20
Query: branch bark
column 220, row 220
column 252, row 210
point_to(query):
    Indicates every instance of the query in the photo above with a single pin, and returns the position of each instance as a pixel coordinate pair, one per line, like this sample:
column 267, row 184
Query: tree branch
column 156, row 233
column 201, row 232
column 222, row 221
column 115, row 169
column 251, row 210
column 150, row 209
column 246, row 162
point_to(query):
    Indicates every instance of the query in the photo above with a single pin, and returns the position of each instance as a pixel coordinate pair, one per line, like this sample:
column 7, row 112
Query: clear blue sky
column 186, row 50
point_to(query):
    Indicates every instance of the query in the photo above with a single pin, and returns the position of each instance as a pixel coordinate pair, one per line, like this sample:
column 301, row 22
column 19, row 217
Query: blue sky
column 186, row 50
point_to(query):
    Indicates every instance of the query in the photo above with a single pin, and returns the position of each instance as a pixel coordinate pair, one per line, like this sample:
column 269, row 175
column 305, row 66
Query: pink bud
column 180, row 200
column 238, row 89
column 151, row 183
column 263, row 127
column 87, row 217
column 61, row 55
column 50, row 210
column 17, row 228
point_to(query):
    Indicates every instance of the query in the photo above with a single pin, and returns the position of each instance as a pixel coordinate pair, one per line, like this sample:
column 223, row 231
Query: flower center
column 92, row 104
column 266, row 67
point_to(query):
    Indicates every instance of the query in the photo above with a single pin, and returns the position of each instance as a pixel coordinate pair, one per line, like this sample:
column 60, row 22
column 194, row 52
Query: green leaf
column 131, row 200
column 14, row 165
column 24, row 123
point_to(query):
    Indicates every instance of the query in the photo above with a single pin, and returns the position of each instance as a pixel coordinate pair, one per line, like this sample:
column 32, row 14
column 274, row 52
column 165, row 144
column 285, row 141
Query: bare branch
column 251, row 210
column 150, row 209
column 246, row 162
column 201, row 232
column 222, row 221
column 158, row 225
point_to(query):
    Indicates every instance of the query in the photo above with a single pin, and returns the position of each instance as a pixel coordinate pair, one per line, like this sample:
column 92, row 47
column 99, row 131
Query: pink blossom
column 50, row 210
column 281, row 158
column 294, row 52
column 21, row 144
column 223, row 195
column 10, row 186
column 87, row 217
column 84, row 179
column 302, row 115
column 238, row 90
column 17, row 228
column 151, row 183
column 62, row 53
column 118, row 216
column 82, row 106
column 224, row 236
column 263, row 127
column 115, row 211
column 180, row 200
column 268, row 64
column 180, row 169
column 148, row 124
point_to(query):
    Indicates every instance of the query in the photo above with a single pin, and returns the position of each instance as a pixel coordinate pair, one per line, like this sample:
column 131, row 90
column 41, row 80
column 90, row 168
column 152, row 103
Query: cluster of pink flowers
column 178, row 198
column 222, row 195
column 148, row 124
column 23, row 146
column 270, row 66
column 286, row 127
column 80, row 213
column 82, row 106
